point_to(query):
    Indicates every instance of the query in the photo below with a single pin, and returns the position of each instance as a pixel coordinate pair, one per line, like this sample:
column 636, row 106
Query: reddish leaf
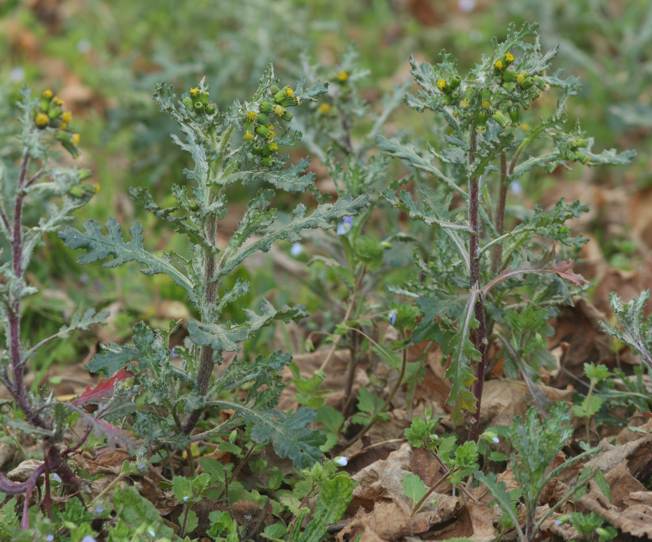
column 102, row 390
column 565, row 271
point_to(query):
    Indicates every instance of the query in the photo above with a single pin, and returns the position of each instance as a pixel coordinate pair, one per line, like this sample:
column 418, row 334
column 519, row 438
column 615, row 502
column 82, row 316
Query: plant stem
column 53, row 459
column 479, row 335
column 430, row 491
column 387, row 402
column 184, row 523
column 206, row 352
column 497, row 254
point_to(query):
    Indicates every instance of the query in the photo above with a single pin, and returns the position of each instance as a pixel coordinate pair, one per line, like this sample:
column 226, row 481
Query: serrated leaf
column 334, row 497
column 227, row 338
column 289, row 434
column 321, row 218
column 116, row 251
column 414, row 487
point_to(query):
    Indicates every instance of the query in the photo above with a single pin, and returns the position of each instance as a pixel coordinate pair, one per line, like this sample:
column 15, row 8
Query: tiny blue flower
column 17, row 74
column 99, row 509
column 174, row 352
column 516, row 187
column 495, row 440
column 186, row 498
column 392, row 317
column 88, row 538
column 54, row 476
column 296, row 249
column 83, row 46
column 341, row 461
column 49, row 538
column 345, row 226
column 466, row 5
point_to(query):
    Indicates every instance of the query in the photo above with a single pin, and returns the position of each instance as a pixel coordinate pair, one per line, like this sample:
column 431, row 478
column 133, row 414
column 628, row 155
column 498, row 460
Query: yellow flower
column 273, row 147
column 509, row 57
column 41, row 120
column 194, row 92
column 289, row 92
column 464, row 103
column 251, row 115
column 248, row 135
column 98, row 187
column 75, row 139
column 521, row 77
column 343, row 76
column 525, row 126
column 279, row 110
column 47, row 94
column 441, row 84
column 499, row 65
column 66, row 116
column 57, row 101
column 485, row 104
column 324, row 108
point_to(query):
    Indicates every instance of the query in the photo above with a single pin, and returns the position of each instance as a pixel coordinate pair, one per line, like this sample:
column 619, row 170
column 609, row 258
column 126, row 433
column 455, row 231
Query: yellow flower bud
column 75, row 139
column 47, row 94
column 57, row 101
column 279, row 110
column 485, row 104
column 251, row 115
column 324, row 108
column 499, row 65
column 521, row 78
column 465, row 103
column 441, row 84
column 289, row 92
column 194, row 92
column 248, row 135
column 66, row 116
column 509, row 57
column 41, row 120
column 273, row 147
column 343, row 76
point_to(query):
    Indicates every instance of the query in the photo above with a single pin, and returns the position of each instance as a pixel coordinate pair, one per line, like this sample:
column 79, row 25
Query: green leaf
column 502, row 498
column 334, row 497
column 321, row 218
column 228, row 338
column 111, row 359
column 414, row 487
column 182, row 489
column 289, row 433
column 110, row 246
column 137, row 511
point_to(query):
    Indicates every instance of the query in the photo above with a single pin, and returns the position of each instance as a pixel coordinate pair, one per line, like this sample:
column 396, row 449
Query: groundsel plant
column 38, row 197
column 243, row 145
column 489, row 279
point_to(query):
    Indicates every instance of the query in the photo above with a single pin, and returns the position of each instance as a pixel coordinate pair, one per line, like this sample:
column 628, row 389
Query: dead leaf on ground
column 383, row 509
column 502, row 400
column 625, row 468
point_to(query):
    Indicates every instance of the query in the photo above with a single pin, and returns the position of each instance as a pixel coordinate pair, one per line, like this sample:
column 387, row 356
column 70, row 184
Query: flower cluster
column 50, row 113
column 264, row 122
column 512, row 89
column 197, row 101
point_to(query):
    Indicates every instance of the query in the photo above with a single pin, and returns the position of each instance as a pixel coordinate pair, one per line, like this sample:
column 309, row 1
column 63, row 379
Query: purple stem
column 479, row 335
column 53, row 460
